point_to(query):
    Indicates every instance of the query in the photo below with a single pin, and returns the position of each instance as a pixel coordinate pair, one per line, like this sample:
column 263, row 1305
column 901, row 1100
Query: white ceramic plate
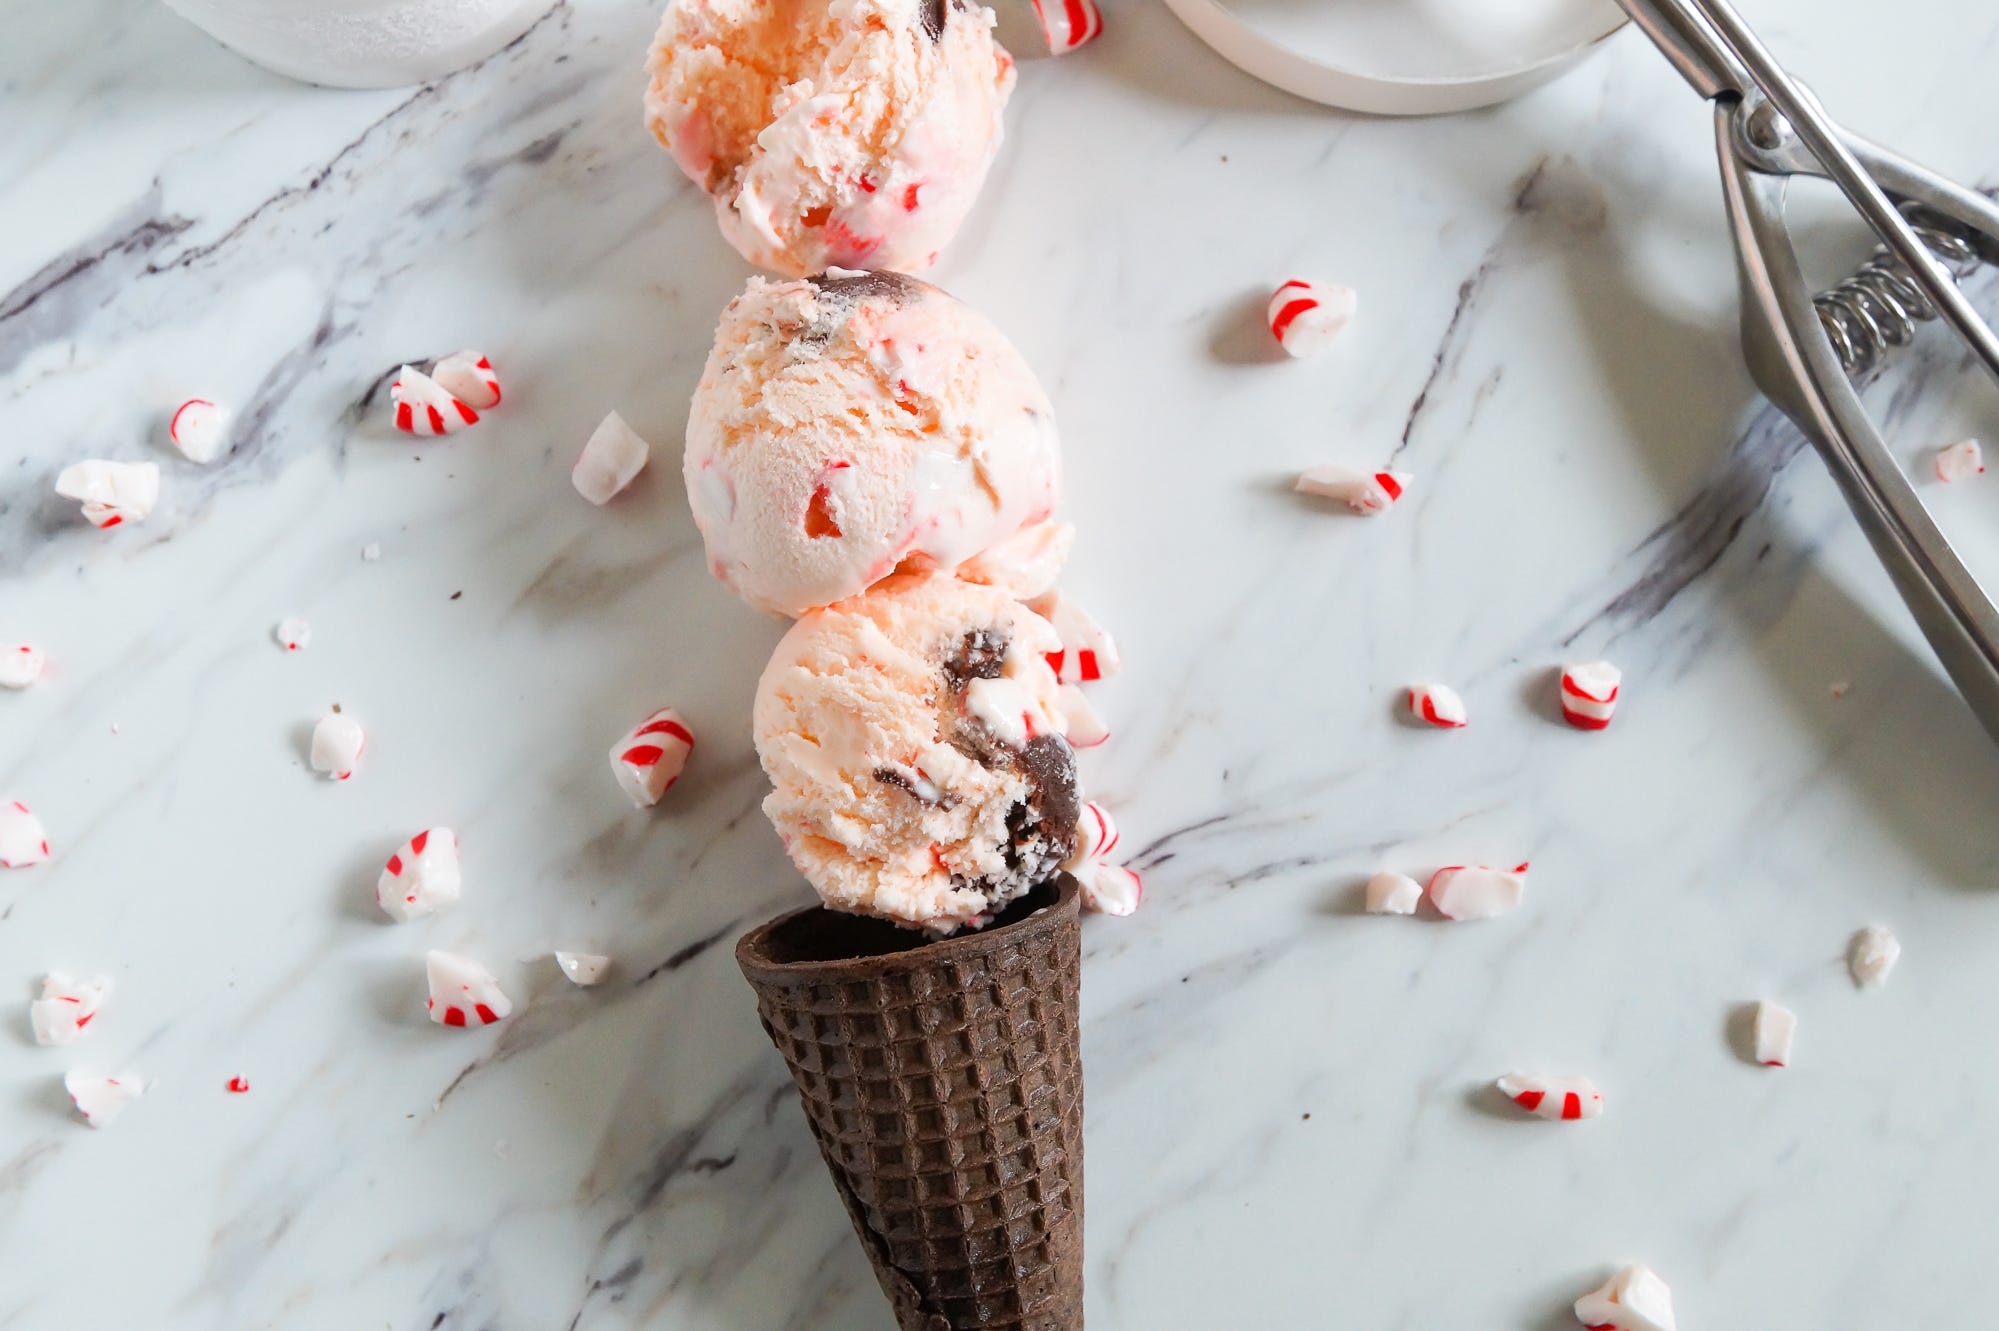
column 1402, row 57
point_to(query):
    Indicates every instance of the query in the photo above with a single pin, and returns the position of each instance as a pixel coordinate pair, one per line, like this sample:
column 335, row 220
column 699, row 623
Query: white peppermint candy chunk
column 1367, row 493
column 1960, row 461
column 1476, row 892
column 1109, row 889
column 612, row 456
column 1024, row 565
column 468, row 376
column 1437, row 705
column 1776, row 1029
column 1565, row 1099
column 67, row 1004
column 1393, row 894
column 21, row 666
column 1305, row 317
column 1873, row 954
column 102, row 1099
column 337, row 742
column 1068, row 24
column 1083, row 727
column 200, row 430
column 424, row 406
column 294, row 635
column 1589, row 694
column 1634, row 1299
column 583, row 968
column 111, row 492
column 1087, row 653
column 462, row 992
column 1096, row 836
column 651, row 756
column 422, row 878
column 22, row 839
column 371, row 552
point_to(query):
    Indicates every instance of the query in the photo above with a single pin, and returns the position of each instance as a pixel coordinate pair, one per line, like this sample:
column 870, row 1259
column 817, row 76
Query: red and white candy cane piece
column 1088, row 653
column 1085, row 729
column 1369, row 494
column 337, row 743
column 1438, row 705
column 102, row 1099
column 1096, row 835
column 1068, row 24
column 1476, row 892
column 22, row 839
column 1589, row 694
column 1960, row 461
column 1306, row 316
column 200, row 429
column 423, row 406
column 462, row 992
column 468, row 376
column 294, row 635
column 1564, row 1099
column 1110, row 889
column 422, row 877
column 583, row 968
column 1872, row 954
column 1776, row 1030
column 651, row 756
column 1635, row 1299
column 68, row 1002
column 21, row 666
column 611, row 458
column 1393, row 894
column 111, row 493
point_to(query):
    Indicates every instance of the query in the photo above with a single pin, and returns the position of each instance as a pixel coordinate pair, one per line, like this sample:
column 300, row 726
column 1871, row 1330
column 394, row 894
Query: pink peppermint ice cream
column 851, row 133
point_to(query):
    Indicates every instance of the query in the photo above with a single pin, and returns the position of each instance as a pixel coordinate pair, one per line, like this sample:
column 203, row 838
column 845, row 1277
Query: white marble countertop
column 1287, row 1125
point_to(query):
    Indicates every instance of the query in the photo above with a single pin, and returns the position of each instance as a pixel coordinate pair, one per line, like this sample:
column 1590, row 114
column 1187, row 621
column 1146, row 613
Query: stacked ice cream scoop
column 873, row 458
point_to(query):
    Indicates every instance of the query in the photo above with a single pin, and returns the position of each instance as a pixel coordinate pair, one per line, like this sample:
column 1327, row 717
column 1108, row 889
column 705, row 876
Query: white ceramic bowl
column 363, row 43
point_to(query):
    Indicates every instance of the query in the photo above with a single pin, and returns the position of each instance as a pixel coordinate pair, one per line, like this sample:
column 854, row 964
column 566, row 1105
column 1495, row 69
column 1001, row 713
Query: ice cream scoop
column 915, row 751
column 831, row 132
column 852, row 424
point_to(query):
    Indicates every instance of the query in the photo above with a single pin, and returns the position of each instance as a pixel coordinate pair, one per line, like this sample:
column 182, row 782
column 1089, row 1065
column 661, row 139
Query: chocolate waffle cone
column 944, row 1084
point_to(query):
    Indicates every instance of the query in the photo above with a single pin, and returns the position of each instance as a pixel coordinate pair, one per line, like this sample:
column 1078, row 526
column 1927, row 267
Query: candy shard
column 583, row 968
column 468, row 376
column 67, row 1004
column 1367, row 493
column 1564, row 1099
column 1776, row 1028
column 1096, row 836
column 294, row 635
column 23, row 841
column 1088, row 653
column 1082, row 727
column 111, row 492
column 1874, row 952
column 1589, row 694
column 102, row 1099
column 1393, row 894
column 1960, row 461
column 1635, row 1299
column 1305, row 317
column 200, row 430
column 1476, row 892
column 462, row 992
column 423, row 406
column 21, row 666
column 1437, row 705
column 422, row 877
column 1109, row 889
column 1068, row 24
column 337, row 742
column 611, row 457
column 651, row 756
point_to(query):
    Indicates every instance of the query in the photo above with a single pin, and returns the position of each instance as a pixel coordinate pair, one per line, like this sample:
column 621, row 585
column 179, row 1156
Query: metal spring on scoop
column 1877, row 309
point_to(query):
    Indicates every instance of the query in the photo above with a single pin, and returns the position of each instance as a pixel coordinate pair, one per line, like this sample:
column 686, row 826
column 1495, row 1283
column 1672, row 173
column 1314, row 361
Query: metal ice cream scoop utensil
column 1805, row 351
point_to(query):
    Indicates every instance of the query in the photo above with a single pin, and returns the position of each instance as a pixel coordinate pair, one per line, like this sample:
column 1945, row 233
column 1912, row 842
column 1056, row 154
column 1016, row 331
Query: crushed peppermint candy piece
column 1096, row 835
column 1589, row 694
column 1960, row 461
column 1068, row 24
column 1366, row 493
column 102, row 1099
column 462, row 992
column 1024, row 565
column 1635, row 1299
column 1872, row 955
column 200, row 430
column 468, row 376
column 22, row 839
column 1776, row 1029
column 1560, row 1098
column 424, row 406
column 1088, row 653
column 111, row 492
column 1110, row 889
column 1085, row 729
column 294, row 635
column 337, row 742
column 67, row 1004
column 21, row 666
column 421, row 878
column 583, row 968
column 1393, row 894
column 1437, row 705
column 612, row 456
column 237, row 1085
column 649, row 759
column 371, row 552
column 1305, row 317
column 1475, row 892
